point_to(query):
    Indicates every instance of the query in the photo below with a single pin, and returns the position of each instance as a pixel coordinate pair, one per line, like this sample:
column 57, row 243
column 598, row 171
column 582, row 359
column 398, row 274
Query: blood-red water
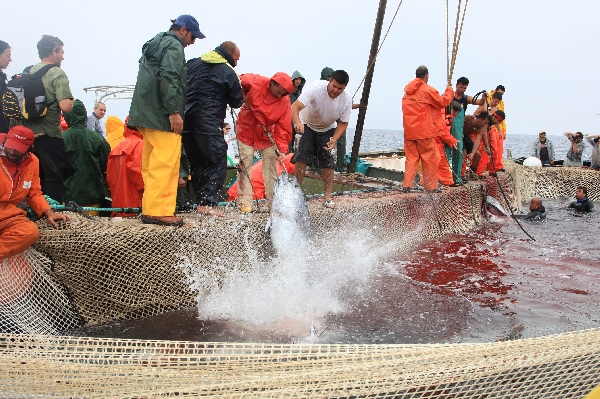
column 491, row 284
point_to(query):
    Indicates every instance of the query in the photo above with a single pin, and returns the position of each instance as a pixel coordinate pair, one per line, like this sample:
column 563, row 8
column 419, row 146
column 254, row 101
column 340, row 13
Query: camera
column 570, row 136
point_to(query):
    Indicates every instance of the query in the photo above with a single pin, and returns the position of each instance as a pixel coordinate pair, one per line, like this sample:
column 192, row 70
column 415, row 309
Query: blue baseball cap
column 190, row 24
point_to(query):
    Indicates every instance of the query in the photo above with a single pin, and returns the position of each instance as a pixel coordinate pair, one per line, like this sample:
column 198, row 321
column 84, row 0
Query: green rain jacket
column 88, row 152
column 161, row 83
column 294, row 96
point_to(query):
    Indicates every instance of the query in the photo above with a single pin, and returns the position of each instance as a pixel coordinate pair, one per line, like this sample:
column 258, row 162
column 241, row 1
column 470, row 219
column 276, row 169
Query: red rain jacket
column 124, row 171
column 445, row 137
column 274, row 113
column 28, row 187
column 421, row 107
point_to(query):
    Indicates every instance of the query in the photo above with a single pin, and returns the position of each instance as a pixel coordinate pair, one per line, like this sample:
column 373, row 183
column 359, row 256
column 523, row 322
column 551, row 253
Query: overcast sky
column 544, row 52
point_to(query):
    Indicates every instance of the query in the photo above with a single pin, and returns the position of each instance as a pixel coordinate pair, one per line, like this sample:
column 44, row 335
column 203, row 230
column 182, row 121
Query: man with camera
column 594, row 141
column 575, row 150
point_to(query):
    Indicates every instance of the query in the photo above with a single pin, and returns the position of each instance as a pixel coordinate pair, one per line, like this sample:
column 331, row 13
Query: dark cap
column 190, row 24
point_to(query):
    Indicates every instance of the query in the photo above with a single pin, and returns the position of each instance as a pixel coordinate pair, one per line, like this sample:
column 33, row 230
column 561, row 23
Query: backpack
column 25, row 97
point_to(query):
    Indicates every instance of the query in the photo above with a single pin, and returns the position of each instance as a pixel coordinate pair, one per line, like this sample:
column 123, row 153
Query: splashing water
column 306, row 287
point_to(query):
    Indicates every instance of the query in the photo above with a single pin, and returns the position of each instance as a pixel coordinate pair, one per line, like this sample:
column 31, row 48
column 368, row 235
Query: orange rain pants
column 16, row 235
column 421, row 150
column 160, row 171
column 496, row 140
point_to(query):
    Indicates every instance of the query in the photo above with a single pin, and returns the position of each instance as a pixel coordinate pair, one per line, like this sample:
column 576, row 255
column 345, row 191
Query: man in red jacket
column 20, row 179
column 266, row 109
column 422, row 118
column 124, row 172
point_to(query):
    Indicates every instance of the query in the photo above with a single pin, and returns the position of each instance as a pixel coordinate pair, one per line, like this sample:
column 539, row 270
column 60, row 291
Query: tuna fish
column 289, row 222
column 494, row 212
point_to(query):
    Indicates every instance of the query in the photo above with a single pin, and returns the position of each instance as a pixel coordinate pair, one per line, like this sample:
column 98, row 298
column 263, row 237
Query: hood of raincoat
column 77, row 117
column 284, row 80
column 218, row 56
column 414, row 85
column 326, row 73
column 294, row 96
column 297, row 75
column 130, row 132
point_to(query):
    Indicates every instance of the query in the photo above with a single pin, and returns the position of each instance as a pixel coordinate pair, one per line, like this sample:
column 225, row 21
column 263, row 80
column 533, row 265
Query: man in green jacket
column 88, row 152
column 157, row 110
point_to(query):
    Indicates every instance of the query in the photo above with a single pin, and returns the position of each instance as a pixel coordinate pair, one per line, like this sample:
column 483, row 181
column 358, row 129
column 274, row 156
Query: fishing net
column 102, row 270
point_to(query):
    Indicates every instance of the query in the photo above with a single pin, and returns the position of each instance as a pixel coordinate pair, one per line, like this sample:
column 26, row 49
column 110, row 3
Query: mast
column 367, row 87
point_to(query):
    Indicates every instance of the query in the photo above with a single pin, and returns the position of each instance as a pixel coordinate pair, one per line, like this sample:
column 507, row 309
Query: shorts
column 311, row 149
column 468, row 143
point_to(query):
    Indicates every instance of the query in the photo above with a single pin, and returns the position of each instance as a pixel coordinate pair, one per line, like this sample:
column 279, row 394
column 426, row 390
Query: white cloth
column 321, row 111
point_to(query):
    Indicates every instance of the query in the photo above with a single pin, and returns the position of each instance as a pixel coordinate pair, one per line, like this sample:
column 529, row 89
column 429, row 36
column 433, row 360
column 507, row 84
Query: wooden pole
column 364, row 100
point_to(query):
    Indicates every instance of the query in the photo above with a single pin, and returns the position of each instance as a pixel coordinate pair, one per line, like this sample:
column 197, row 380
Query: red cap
column 284, row 80
column 19, row 138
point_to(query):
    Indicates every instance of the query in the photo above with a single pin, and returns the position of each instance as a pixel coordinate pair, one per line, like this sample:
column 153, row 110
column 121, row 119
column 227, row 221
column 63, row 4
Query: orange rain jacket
column 444, row 171
column 274, row 113
column 124, row 171
column 28, row 188
column 421, row 107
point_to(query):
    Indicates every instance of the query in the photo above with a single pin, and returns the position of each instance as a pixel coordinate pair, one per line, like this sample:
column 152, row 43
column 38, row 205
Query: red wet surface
column 465, row 265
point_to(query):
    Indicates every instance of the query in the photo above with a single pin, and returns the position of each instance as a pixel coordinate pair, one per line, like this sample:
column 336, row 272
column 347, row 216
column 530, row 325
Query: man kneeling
column 20, row 179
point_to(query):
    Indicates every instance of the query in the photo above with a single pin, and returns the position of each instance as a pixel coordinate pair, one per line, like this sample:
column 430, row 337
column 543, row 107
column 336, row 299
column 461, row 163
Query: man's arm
column 339, row 130
column 479, row 110
column 54, row 217
column 480, row 101
column 438, row 101
column 170, row 70
column 66, row 105
column 283, row 131
column 296, row 108
column 235, row 98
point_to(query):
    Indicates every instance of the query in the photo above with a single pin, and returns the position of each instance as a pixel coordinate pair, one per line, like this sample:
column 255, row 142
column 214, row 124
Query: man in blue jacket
column 212, row 84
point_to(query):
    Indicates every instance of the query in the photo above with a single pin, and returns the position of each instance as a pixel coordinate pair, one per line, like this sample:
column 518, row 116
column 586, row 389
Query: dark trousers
column 55, row 168
column 207, row 156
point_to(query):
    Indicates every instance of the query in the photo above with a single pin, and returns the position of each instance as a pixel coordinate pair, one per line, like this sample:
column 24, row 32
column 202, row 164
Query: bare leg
column 299, row 171
column 475, row 161
column 210, row 211
column 327, row 182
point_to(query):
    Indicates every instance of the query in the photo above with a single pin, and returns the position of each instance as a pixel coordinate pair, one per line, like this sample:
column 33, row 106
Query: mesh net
column 558, row 366
column 105, row 270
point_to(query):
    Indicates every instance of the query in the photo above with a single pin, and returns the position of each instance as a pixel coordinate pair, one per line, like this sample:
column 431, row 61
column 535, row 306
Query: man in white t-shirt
column 321, row 114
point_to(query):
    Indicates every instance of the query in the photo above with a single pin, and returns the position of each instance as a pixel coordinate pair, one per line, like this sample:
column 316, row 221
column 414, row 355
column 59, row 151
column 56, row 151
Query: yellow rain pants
column 160, row 171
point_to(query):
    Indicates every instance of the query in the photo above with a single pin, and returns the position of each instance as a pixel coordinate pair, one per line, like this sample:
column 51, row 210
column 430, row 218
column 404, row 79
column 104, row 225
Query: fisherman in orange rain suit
column 444, row 171
column 496, row 139
column 124, row 172
column 20, row 180
column 422, row 121
column 266, row 106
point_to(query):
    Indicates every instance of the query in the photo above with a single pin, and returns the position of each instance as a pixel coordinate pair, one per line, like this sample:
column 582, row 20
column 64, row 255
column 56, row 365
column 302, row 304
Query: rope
column 497, row 179
column 457, row 35
column 447, row 42
column 377, row 53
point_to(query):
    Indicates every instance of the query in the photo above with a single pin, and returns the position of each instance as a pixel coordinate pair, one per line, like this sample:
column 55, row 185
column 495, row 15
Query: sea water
column 521, row 145
column 493, row 283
